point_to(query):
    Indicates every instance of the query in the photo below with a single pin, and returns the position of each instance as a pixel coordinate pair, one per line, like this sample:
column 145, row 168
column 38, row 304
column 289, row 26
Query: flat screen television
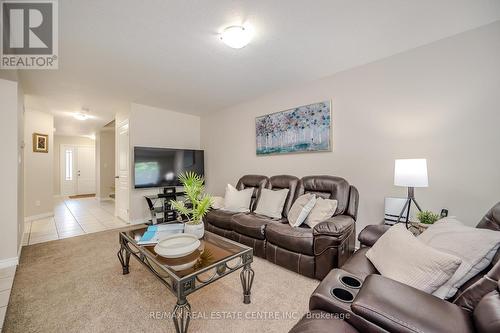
column 160, row 167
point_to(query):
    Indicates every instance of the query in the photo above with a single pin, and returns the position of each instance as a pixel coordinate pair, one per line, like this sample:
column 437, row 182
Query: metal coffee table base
column 182, row 310
column 246, row 277
column 182, row 313
column 181, row 316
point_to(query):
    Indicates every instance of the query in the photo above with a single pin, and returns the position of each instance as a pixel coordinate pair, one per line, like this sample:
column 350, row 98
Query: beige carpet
column 76, row 285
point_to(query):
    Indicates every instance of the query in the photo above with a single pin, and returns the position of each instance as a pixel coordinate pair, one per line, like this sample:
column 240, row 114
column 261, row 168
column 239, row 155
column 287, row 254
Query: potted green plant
column 196, row 205
column 427, row 217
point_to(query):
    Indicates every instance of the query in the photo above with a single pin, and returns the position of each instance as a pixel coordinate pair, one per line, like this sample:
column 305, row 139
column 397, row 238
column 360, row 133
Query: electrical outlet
column 37, row 203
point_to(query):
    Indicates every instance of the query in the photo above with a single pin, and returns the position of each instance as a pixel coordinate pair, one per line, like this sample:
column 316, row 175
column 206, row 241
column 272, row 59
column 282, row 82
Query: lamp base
column 407, row 206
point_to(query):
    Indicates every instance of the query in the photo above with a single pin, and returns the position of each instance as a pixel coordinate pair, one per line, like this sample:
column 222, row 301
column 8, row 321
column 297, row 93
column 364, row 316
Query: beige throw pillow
column 400, row 256
column 475, row 247
column 271, row 203
column 301, row 209
column 217, row 202
column 237, row 201
column 323, row 209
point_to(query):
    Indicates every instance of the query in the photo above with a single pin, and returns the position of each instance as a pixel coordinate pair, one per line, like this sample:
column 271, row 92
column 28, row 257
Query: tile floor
column 73, row 217
column 6, row 280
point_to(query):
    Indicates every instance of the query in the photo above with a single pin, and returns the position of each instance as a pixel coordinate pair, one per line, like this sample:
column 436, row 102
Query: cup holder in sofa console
column 350, row 281
column 342, row 295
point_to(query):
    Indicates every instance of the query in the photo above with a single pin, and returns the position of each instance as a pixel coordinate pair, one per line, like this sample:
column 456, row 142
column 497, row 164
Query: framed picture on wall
column 40, row 143
column 302, row 129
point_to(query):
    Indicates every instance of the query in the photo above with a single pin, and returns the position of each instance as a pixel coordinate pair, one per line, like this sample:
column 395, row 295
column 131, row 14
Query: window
column 69, row 164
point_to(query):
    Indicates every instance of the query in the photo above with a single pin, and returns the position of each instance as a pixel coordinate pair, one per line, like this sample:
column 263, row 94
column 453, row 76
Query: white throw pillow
column 271, row 202
column 322, row 210
column 476, row 247
column 217, row 202
column 301, row 209
column 237, row 201
column 400, row 256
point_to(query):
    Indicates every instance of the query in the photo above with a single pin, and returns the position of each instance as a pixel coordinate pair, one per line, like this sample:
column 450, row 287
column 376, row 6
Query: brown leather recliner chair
column 390, row 306
column 379, row 304
column 314, row 252
column 219, row 221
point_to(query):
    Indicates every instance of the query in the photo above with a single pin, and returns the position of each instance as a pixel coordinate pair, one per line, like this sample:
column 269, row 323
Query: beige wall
column 12, row 75
column 105, row 167
column 153, row 127
column 38, row 167
column 20, row 165
column 439, row 102
column 9, row 173
column 65, row 140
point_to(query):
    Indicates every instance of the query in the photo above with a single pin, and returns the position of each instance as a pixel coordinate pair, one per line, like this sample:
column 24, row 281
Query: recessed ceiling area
column 168, row 54
column 64, row 107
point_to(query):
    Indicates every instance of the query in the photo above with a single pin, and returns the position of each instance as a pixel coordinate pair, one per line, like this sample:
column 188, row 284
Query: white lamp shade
column 411, row 173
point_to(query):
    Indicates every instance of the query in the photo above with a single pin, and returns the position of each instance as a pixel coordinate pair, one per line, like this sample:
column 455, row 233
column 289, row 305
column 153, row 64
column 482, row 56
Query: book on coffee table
column 156, row 233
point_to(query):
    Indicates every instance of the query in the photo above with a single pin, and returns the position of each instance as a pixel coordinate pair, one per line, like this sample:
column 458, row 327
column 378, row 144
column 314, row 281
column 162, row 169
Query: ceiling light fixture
column 82, row 115
column 236, row 36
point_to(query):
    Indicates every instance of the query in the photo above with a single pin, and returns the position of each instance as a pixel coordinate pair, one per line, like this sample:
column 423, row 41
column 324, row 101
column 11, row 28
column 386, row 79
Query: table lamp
column 410, row 173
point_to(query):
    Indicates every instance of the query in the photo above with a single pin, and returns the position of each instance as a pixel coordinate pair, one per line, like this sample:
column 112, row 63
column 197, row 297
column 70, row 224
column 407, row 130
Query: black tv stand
column 169, row 191
column 169, row 214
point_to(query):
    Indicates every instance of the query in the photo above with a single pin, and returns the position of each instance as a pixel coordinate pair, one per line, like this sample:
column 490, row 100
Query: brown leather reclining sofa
column 310, row 252
column 369, row 302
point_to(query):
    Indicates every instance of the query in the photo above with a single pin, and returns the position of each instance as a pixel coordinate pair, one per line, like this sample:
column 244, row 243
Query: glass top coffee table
column 216, row 257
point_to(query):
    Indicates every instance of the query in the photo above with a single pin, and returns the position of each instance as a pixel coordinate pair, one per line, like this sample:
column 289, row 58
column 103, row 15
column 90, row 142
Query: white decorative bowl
column 176, row 246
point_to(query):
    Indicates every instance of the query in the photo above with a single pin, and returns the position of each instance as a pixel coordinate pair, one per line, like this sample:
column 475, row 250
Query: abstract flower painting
column 302, row 129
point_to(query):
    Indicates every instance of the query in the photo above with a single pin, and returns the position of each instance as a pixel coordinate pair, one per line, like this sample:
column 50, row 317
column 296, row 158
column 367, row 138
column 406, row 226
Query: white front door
column 122, row 167
column 77, row 169
column 85, row 170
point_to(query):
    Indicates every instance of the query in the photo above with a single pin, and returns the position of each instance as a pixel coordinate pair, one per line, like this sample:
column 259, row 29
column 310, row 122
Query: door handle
column 116, row 177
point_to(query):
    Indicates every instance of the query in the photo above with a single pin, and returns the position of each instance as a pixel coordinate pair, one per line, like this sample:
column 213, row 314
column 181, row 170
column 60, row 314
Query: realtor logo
column 29, row 34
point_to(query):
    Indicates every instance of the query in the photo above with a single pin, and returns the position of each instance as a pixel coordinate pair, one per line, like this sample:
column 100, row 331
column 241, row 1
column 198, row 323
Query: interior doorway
column 77, row 170
column 122, row 178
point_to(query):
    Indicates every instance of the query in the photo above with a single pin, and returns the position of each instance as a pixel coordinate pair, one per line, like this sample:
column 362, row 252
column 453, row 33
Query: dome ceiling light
column 82, row 115
column 236, row 36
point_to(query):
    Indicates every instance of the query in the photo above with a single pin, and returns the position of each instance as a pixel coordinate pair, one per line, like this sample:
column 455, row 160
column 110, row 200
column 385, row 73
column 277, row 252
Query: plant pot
column 195, row 229
column 417, row 227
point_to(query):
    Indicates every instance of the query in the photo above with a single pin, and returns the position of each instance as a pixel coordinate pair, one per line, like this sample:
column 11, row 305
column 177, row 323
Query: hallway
column 73, row 217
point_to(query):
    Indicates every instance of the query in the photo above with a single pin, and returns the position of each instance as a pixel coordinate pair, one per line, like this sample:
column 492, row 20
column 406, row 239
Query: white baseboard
column 38, row 216
column 9, row 262
column 20, row 247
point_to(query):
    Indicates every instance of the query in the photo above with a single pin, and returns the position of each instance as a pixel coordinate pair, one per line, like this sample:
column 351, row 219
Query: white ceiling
column 166, row 53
